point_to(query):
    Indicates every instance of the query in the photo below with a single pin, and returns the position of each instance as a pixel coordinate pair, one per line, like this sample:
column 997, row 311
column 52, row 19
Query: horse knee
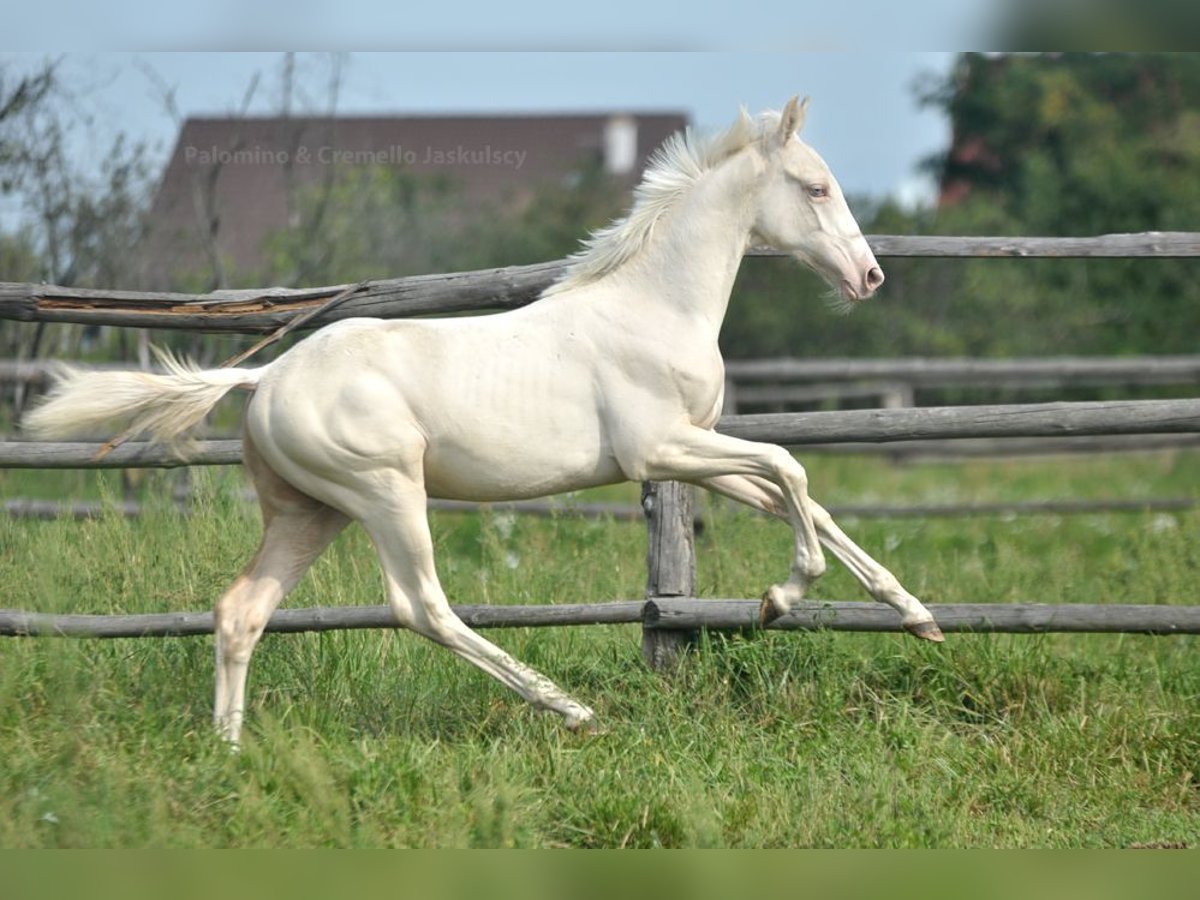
column 237, row 630
column 236, row 640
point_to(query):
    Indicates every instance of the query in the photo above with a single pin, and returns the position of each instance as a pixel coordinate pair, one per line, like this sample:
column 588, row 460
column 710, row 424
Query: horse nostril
column 874, row 278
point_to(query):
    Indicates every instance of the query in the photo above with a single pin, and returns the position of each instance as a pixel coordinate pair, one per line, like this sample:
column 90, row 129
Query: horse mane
column 673, row 168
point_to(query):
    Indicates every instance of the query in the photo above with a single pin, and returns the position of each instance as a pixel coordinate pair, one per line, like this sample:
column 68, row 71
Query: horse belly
column 487, row 469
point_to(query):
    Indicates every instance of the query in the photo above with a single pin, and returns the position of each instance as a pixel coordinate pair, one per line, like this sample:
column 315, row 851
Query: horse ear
column 792, row 119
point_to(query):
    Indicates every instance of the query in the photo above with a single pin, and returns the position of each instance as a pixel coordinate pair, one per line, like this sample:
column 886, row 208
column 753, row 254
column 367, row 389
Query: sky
column 864, row 117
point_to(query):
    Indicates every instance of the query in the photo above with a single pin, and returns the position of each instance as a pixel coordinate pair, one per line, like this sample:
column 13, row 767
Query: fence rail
column 260, row 310
column 32, row 508
column 926, row 372
column 1116, row 417
column 661, row 614
column 784, row 383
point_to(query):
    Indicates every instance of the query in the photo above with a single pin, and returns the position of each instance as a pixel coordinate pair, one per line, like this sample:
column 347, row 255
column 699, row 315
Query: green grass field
column 370, row 739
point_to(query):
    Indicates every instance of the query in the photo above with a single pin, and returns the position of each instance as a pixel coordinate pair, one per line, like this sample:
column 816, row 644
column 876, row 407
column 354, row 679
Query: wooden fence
column 669, row 614
column 260, row 310
column 788, row 382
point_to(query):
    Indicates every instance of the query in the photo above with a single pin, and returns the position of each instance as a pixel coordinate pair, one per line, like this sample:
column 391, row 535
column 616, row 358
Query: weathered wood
column 19, row 623
column 548, row 509
column 1009, row 447
column 929, row 372
column 1116, row 417
column 990, row 421
column 131, row 455
column 1016, row 508
column 670, row 564
column 750, row 394
column 260, row 310
column 871, row 372
column 686, row 614
column 1161, row 244
column 1015, row 618
column 32, row 508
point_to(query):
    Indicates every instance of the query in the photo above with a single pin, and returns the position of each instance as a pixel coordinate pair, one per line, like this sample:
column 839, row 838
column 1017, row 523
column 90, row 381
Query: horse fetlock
column 229, row 729
column 778, row 600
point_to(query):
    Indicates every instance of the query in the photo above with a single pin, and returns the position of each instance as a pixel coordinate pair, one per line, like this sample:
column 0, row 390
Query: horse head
column 802, row 211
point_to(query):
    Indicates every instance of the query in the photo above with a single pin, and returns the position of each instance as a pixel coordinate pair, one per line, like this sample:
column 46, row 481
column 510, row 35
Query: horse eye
column 818, row 191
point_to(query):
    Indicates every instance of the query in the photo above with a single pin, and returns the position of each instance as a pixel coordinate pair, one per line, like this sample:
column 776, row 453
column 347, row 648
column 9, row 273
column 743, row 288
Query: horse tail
column 161, row 406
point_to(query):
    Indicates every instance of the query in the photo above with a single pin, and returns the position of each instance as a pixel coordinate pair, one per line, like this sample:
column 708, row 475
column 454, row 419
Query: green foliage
column 1057, row 24
column 1068, row 144
column 372, row 222
column 377, row 222
column 1073, row 144
column 1076, row 143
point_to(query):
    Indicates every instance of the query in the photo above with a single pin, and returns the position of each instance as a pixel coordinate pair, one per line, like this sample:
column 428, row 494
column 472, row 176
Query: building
column 232, row 182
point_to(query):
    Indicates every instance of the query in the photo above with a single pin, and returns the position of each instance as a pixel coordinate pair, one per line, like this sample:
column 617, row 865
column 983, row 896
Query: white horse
column 613, row 375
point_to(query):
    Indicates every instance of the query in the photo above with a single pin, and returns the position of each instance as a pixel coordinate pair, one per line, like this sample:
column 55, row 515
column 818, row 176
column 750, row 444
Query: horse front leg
column 696, row 455
column 874, row 577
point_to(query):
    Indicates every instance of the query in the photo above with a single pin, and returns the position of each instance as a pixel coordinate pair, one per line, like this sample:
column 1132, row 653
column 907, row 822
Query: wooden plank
column 259, row 310
column 1116, row 417
column 32, row 508
column 19, row 623
column 130, row 455
column 798, row 380
column 1160, row 244
column 670, row 565
column 547, row 509
column 989, row 421
column 751, row 394
column 1013, row 618
column 953, row 449
column 928, row 372
column 661, row 613
column 1019, row 508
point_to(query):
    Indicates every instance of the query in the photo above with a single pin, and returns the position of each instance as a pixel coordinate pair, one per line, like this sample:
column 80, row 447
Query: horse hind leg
column 296, row 529
column 399, row 527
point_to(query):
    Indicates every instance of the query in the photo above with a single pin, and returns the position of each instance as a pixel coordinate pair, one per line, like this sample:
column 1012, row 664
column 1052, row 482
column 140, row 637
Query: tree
column 379, row 221
column 1070, row 144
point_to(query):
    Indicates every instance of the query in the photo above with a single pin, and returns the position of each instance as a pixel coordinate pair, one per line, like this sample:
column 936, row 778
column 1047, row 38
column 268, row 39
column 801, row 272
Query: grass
column 370, row 739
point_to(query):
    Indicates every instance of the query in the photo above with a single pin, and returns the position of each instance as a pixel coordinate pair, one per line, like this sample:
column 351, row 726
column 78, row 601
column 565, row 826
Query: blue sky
column 864, row 117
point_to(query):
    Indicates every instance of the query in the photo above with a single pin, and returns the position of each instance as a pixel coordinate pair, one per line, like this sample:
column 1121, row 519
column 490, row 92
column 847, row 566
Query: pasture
column 370, row 739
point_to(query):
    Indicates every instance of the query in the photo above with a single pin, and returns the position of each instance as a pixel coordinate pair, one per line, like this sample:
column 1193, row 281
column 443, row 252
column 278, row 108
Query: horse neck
column 694, row 254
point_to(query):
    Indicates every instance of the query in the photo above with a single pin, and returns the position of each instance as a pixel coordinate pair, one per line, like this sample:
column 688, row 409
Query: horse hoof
column 585, row 728
column 769, row 610
column 927, row 631
column 581, row 723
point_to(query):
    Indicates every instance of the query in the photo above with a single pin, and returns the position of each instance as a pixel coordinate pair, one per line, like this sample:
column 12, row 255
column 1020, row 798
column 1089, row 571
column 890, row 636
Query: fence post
column 670, row 564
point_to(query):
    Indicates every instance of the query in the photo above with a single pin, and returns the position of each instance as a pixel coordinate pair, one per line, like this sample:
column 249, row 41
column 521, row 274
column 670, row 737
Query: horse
column 614, row 374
